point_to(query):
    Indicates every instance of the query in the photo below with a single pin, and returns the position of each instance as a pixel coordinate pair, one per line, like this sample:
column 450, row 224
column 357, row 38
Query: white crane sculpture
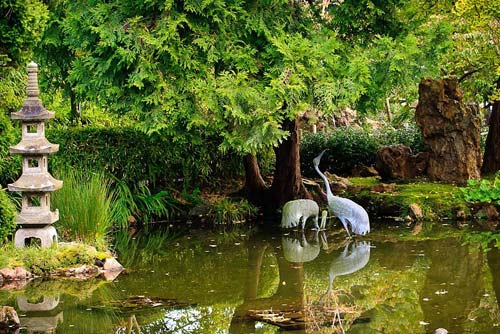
column 350, row 213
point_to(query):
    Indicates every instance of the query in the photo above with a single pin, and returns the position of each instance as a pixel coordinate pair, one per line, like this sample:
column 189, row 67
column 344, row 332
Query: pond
column 270, row 282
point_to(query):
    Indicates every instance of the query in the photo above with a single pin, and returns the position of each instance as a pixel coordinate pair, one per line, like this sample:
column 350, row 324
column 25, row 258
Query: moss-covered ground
column 437, row 200
column 46, row 261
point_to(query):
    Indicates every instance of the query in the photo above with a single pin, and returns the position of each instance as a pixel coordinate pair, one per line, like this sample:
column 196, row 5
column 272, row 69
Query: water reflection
column 299, row 249
column 41, row 316
column 354, row 257
column 269, row 283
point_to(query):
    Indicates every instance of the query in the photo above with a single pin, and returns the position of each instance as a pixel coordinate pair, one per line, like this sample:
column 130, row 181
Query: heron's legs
column 344, row 222
column 324, row 214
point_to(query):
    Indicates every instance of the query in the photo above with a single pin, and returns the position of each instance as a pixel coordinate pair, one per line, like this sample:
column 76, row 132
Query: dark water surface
column 244, row 282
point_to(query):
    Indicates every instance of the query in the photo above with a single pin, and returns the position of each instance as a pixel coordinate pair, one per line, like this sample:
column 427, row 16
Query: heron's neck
column 325, row 179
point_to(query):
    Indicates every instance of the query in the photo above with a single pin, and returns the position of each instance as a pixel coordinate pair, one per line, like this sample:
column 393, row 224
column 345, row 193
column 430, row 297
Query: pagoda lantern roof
column 34, row 146
column 32, row 109
column 38, row 182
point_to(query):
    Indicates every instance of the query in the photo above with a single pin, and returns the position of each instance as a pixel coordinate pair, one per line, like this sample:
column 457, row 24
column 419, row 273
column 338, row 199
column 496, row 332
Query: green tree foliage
column 233, row 68
column 21, row 27
column 7, row 216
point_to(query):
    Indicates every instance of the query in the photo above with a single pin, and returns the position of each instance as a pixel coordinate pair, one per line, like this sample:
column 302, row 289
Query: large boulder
column 398, row 162
column 451, row 129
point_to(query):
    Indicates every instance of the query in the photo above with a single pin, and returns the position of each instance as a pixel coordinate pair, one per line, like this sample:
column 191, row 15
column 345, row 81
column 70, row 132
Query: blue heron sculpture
column 350, row 213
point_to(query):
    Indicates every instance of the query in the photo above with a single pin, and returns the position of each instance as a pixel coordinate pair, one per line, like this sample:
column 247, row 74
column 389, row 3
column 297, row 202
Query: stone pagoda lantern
column 35, row 183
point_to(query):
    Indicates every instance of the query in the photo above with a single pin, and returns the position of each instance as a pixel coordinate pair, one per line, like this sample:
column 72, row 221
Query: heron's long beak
column 318, row 158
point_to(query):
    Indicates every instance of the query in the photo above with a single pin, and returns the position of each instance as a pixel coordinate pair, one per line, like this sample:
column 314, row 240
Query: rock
column 84, row 271
column 384, row 188
column 8, row 317
column 112, row 265
column 451, row 129
column 364, row 171
column 417, row 228
column 16, row 274
column 488, row 211
column 461, row 215
column 440, row 331
column 398, row 162
column 416, row 212
column 338, row 184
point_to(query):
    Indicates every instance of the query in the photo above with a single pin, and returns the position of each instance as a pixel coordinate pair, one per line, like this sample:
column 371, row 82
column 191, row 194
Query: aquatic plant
column 144, row 205
column 85, row 204
column 229, row 211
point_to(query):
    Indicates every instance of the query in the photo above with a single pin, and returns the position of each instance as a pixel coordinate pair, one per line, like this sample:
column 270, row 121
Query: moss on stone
column 437, row 200
column 46, row 261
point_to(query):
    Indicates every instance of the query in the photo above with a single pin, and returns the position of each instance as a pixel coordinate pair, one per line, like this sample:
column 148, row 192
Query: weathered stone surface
column 16, row 274
column 337, row 183
column 416, row 212
column 461, row 215
column 383, row 188
column 364, row 171
column 451, row 129
column 8, row 317
column 398, row 162
column 112, row 264
column 487, row 211
column 84, row 271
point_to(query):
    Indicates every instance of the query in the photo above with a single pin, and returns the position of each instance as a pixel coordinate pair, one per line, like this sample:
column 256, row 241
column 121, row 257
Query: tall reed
column 85, row 204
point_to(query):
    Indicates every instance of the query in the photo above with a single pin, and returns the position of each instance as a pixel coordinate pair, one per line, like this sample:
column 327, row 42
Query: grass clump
column 229, row 211
column 85, row 204
column 45, row 261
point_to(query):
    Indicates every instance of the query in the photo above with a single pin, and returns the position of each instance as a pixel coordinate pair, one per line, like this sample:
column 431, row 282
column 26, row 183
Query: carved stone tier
column 33, row 218
column 47, row 236
column 36, row 183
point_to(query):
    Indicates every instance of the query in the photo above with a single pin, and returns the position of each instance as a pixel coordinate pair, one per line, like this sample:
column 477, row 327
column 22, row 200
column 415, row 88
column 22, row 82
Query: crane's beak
column 318, row 158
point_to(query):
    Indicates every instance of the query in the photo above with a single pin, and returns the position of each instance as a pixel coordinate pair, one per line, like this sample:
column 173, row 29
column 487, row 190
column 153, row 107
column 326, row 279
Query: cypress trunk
column 491, row 158
column 287, row 182
column 254, row 183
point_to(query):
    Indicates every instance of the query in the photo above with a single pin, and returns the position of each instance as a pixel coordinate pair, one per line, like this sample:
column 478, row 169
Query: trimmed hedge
column 350, row 147
column 156, row 160
column 10, row 166
column 7, row 217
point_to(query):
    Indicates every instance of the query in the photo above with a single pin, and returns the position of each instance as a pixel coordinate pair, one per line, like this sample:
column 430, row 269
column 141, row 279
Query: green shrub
column 10, row 166
column 85, row 207
column 7, row 217
column 157, row 160
column 483, row 191
column 348, row 147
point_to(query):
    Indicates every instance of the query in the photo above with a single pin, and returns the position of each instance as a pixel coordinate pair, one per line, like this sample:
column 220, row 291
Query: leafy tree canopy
column 21, row 27
column 229, row 67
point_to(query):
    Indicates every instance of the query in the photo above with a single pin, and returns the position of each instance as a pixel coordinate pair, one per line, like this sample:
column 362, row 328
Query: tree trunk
column 254, row 183
column 287, row 182
column 491, row 158
column 75, row 110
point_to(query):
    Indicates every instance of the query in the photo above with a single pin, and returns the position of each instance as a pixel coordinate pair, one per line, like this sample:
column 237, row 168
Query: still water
column 267, row 282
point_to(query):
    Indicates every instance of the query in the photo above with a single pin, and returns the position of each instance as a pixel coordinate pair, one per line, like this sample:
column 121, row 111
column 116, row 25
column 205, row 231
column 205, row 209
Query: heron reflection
column 354, row 257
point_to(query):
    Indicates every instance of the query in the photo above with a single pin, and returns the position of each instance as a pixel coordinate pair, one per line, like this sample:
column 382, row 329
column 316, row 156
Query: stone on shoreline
column 8, row 317
column 15, row 274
